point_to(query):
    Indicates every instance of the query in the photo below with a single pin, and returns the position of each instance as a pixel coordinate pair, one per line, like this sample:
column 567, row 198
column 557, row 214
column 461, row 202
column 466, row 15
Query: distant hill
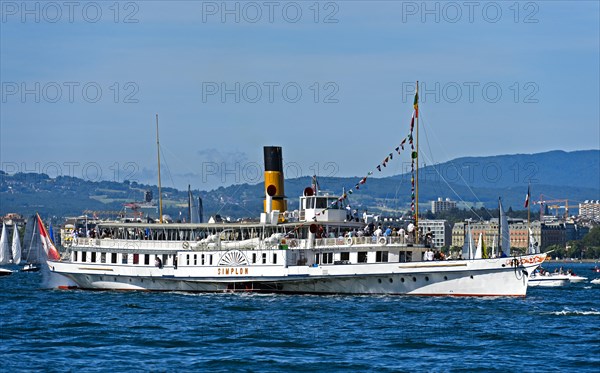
column 575, row 169
column 477, row 181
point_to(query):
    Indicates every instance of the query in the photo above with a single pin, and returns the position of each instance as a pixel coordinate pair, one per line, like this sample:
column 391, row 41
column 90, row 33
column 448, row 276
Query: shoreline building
column 590, row 210
column 442, row 205
column 546, row 233
column 440, row 229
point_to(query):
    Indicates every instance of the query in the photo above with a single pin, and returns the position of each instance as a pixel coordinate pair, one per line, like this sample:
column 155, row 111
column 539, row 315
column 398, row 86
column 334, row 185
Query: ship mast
column 159, row 187
column 417, row 160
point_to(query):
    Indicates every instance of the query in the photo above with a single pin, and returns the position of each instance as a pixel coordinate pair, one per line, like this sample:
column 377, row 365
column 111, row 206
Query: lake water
column 552, row 329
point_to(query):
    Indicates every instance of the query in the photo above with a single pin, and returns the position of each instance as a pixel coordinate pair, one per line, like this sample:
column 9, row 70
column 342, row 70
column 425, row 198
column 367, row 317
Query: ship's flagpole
column 159, row 187
column 416, row 107
column 528, row 204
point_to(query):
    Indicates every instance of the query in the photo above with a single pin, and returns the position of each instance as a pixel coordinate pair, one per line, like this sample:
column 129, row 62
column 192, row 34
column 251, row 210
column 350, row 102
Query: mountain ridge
column 65, row 195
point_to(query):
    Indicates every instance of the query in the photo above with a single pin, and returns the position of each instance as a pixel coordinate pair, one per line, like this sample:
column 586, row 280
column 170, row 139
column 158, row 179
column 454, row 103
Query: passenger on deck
column 430, row 255
column 378, row 232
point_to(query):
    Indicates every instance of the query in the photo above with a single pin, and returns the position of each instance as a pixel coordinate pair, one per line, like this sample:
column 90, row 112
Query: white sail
column 194, row 209
column 33, row 254
column 504, row 232
column 494, row 245
column 467, row 251
column 4, row 248
column 16, row 246
column 533, row 247
column 479, row 251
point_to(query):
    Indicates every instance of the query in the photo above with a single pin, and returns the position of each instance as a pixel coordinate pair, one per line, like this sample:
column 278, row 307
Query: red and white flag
column 47, row 244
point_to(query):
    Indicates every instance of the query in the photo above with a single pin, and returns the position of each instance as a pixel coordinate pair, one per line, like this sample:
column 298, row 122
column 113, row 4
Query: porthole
column 379, row 280
column 414, row 279
column 445, row 277
column 402, row 279
column 426, row 278
column 391, row 280
column 503, row 265
column 471, row 276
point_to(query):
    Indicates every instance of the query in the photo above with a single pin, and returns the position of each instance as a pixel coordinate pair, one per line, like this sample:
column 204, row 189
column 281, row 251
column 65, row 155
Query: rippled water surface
column 553, row 329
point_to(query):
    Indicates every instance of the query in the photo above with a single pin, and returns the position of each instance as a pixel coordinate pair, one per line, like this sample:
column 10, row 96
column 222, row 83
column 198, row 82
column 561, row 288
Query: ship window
column 321, row 203
column 147, row 259
column 165, row 258
column 202, row 259
column 75, row 255
column 187, row 257
column 345, row 256
column 362, row 256
column 210, row 259
column 93, row 257
column 274, row 258
column 113, row 257
column 381, row 256
column 327, row 258
column 123, row 258
column 409, row 256
column 264, row 258
column 83, row 256
column 195, row 259
column 103, row 258
column 136, row 258
column 317, row 257
column 253, row 258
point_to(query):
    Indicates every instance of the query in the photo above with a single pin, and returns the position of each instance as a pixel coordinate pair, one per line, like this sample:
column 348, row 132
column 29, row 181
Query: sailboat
column 467, row 252
column 480, row 251
column 503, row 232
column 4, row 252
column 194, row 209
column 533, row 247
column 33, row 256
column 16, row 246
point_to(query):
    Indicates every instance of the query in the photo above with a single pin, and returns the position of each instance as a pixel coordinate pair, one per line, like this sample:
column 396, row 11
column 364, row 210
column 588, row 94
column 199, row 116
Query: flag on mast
column 416, row 104
column 527, row 197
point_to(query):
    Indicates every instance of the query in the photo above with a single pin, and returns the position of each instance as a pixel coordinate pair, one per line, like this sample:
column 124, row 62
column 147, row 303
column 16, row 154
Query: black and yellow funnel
column 274, row 180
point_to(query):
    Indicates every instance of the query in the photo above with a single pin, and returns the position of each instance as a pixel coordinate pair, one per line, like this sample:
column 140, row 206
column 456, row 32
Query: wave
column 575, row 313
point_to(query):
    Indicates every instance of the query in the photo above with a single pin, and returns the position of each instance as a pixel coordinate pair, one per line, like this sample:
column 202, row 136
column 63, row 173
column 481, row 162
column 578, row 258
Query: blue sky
column 497, row 78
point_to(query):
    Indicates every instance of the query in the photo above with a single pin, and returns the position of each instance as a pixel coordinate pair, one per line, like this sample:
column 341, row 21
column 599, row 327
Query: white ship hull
column 484, row 277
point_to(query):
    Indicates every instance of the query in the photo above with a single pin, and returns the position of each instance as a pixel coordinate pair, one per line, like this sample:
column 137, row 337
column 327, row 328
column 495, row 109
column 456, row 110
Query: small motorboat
column 5, row 272
column 596, row 281
column 541, row 277
column 549, row 280
column 596, row 269
column 30, row 267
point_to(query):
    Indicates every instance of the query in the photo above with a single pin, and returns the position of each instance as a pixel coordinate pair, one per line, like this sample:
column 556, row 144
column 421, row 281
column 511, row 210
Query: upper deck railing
column 286, row 243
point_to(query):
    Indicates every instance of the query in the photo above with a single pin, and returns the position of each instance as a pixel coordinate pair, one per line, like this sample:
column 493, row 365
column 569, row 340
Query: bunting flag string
column 384, row 163
column 389, row 157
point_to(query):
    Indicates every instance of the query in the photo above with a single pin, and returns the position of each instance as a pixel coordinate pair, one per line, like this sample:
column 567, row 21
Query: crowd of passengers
column 370, row 230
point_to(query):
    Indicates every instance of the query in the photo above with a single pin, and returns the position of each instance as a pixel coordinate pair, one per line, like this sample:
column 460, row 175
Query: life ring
column 185, row 245
column 382, row 241
column 349, row 241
